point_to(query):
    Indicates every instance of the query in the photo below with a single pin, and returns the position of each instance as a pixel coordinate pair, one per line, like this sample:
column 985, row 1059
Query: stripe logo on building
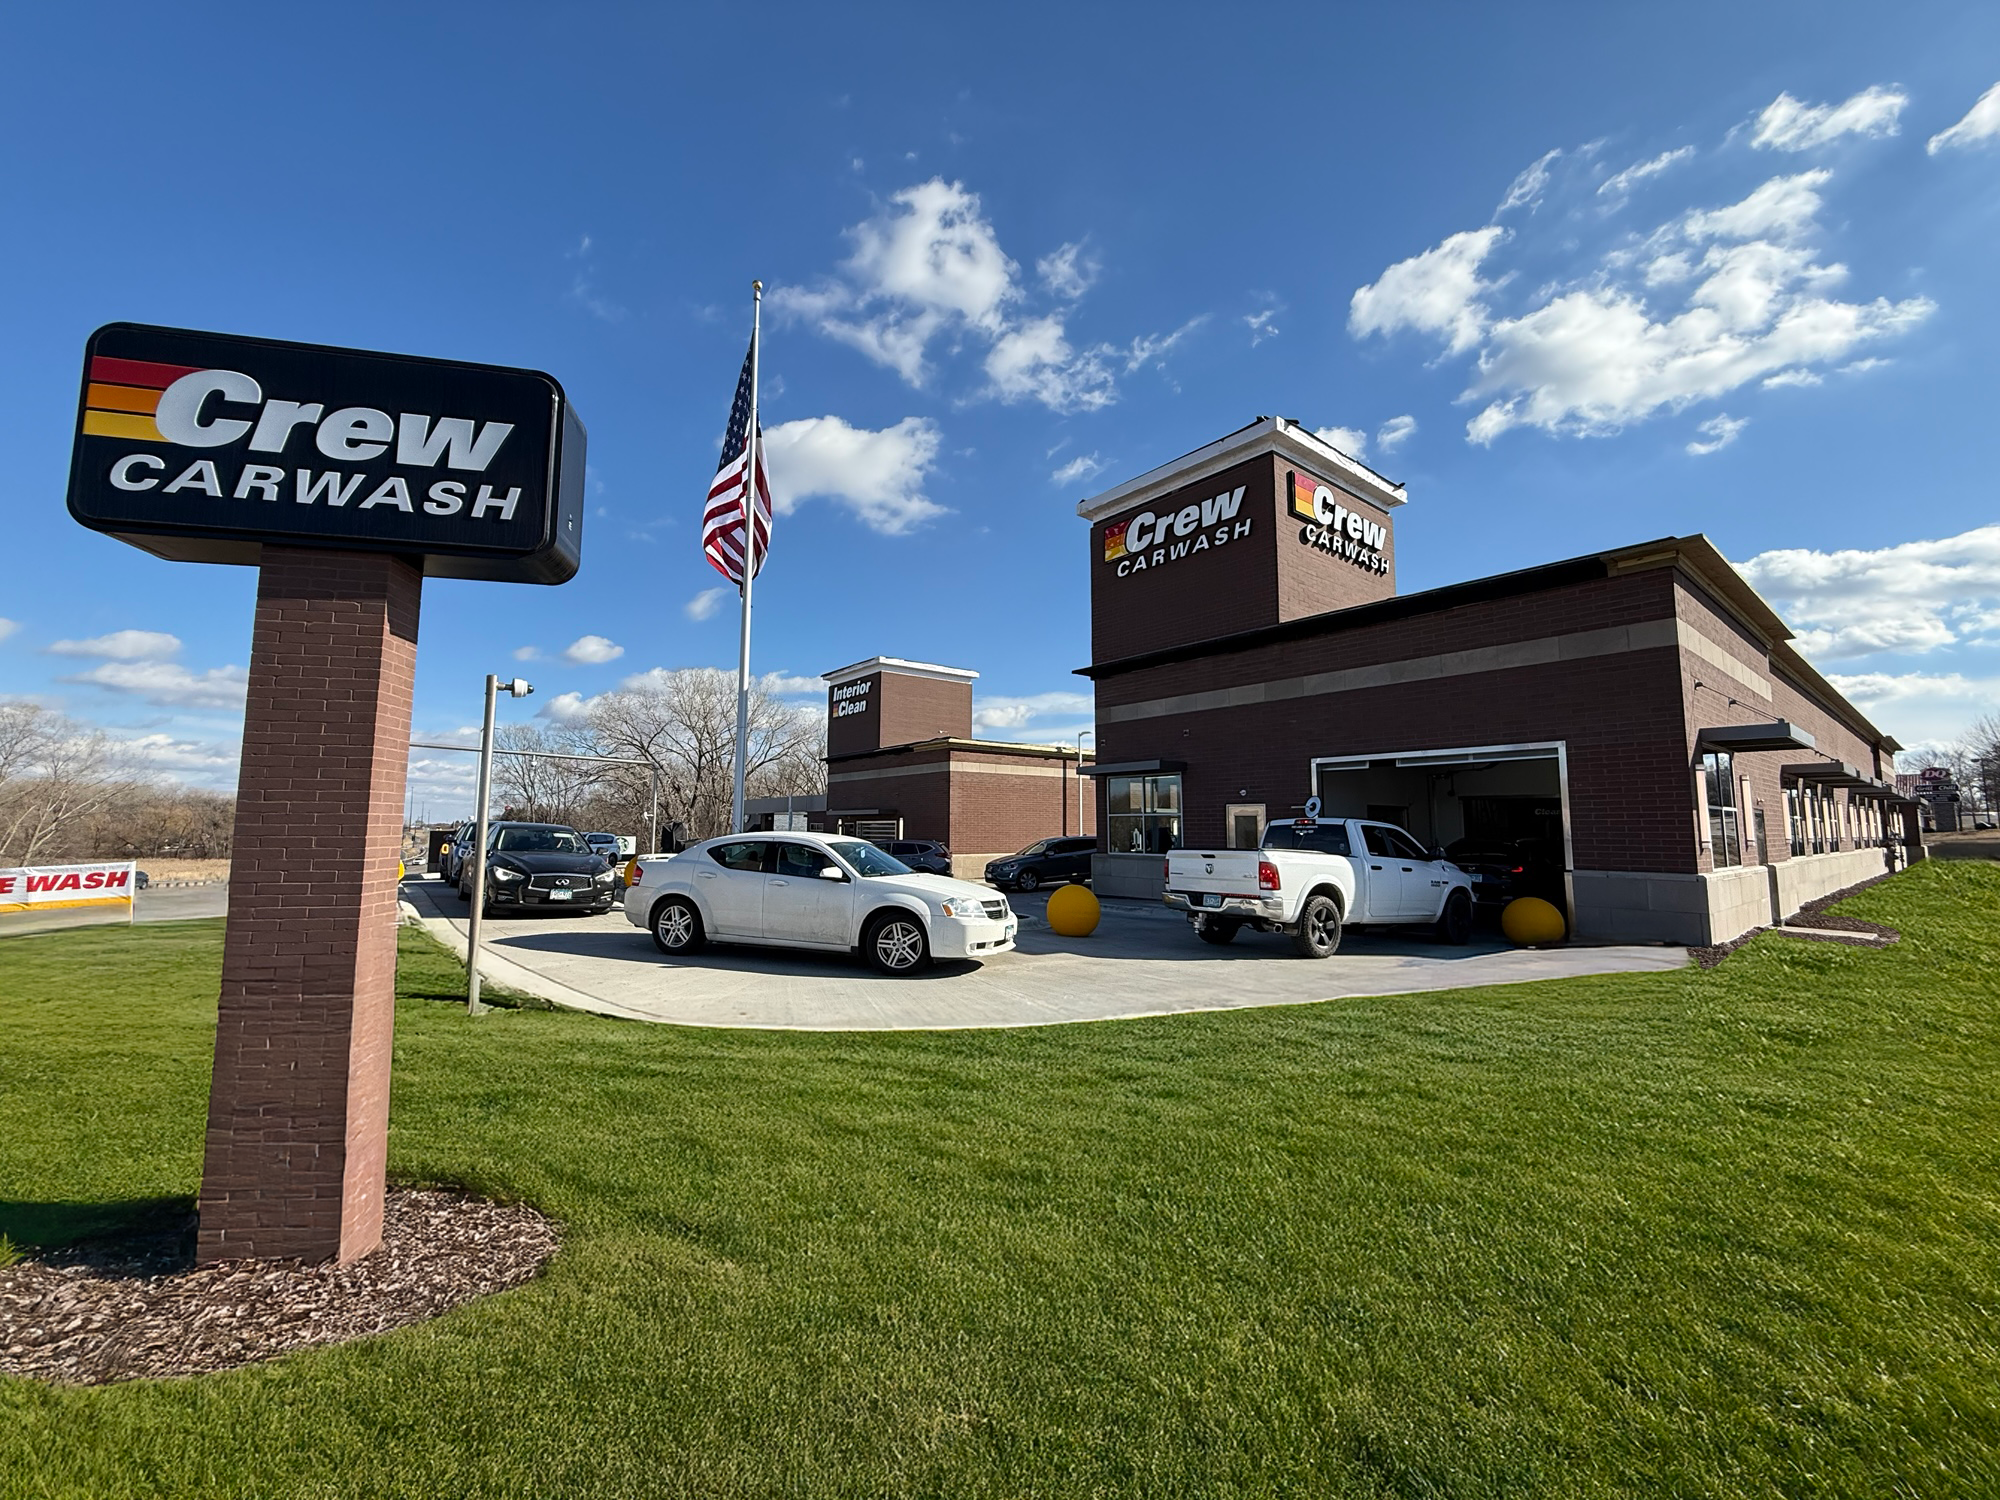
column 1149, row 540
column 1334, row 529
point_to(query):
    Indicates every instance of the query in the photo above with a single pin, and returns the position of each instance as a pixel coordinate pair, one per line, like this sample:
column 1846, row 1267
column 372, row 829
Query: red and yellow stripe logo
column 123, row 395
column 1303, row 489
column 1114, row 541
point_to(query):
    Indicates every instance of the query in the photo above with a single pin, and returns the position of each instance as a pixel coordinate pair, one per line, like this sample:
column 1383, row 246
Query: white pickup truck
column 1314, row 876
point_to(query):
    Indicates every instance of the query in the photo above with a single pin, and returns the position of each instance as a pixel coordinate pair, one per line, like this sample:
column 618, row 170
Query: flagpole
column 750, row 500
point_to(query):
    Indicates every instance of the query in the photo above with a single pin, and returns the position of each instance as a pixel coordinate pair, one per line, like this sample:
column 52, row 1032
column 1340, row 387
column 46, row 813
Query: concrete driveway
column 1142, row 961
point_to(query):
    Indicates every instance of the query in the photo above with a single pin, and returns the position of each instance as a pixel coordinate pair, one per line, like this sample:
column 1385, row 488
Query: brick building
column 901, row 762
column 1640, row 710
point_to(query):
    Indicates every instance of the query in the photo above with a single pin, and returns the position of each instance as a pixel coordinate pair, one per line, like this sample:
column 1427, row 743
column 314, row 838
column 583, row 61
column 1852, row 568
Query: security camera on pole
column 736, row 528
column 514, row 689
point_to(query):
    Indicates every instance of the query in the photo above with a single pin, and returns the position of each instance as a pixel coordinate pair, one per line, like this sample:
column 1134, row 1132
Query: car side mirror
column 1437, row 852
column 833, row 872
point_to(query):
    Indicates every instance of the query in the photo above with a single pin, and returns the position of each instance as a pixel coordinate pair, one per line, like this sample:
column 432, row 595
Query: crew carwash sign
column 345, row 477
column 203, row 447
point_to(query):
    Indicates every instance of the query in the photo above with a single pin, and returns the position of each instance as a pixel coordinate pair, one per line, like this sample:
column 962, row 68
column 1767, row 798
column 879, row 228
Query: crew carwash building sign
column 345, row 477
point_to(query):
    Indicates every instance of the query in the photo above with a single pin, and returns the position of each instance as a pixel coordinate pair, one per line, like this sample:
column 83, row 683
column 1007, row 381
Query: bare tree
column 683, row 723
column 54, row 773
column 535, row 785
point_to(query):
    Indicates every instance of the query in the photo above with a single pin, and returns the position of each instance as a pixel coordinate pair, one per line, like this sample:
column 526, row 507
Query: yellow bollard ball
column 1529, row 919
column 1073, row 911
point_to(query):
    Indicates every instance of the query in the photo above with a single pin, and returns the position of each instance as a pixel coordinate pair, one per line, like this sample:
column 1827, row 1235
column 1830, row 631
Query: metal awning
column 1136, row 768
column 1743, row 738
column 1826, row 772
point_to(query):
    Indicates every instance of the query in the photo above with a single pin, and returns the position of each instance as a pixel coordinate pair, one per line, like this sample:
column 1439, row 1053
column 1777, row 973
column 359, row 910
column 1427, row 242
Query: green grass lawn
column 1733, row 1233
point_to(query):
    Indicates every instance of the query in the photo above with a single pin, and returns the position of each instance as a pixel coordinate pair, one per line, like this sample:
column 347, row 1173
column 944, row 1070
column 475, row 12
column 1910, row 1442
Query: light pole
column 1082, row 735
column 515, row 689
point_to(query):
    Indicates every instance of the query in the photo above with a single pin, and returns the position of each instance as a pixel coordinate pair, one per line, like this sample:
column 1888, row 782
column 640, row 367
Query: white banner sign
column 44, row 887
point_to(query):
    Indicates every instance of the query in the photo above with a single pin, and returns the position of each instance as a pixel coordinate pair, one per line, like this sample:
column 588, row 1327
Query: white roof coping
column 1265, row 435
column 897, row 665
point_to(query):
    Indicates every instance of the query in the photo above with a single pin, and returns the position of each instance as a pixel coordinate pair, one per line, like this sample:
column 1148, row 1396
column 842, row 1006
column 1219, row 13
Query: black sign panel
column 203, row 446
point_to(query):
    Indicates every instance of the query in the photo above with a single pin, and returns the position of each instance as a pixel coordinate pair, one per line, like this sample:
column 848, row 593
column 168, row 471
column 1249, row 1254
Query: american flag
column 722, row 521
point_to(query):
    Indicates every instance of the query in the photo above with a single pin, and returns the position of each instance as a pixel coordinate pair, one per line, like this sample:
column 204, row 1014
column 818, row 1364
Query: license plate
column 1208, row 898
column 561, row 895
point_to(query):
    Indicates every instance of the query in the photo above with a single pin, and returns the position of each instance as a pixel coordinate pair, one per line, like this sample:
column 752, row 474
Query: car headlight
column 501, row 872
column 608, row 877
column 964, row 907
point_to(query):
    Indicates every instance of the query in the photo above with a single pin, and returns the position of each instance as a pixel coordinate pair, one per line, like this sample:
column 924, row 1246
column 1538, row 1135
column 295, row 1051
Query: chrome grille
column 997, row 910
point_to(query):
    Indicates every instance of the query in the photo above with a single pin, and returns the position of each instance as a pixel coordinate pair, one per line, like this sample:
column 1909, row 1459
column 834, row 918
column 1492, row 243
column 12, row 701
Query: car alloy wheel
column 1454, row 925
column 676, row 927
column 896, row 945
column 1028, row 880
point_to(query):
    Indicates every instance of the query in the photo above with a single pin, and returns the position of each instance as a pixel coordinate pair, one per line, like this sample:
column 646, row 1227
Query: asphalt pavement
column 1142, row 961
column 181, row 903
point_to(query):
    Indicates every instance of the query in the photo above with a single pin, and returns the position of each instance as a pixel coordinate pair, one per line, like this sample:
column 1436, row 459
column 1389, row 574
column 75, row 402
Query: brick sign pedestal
column 298, row 1112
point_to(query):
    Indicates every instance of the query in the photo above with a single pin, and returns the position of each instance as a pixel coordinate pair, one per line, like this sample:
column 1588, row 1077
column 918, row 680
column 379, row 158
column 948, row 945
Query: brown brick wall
column 298, row 1109
column 1621, row 716
column 974, row 802
column 923, row 708
column 1310, row 582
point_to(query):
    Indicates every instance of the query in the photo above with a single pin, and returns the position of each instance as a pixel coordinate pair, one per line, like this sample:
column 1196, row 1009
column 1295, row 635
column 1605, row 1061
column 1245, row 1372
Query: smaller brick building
column 901, row 762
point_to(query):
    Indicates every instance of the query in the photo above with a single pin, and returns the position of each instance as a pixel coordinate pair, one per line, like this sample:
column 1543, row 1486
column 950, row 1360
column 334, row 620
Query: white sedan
column 814, row 890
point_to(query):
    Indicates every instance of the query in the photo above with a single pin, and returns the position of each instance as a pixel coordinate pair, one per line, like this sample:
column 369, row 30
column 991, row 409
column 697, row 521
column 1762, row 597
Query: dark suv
column 1044, row 862
column 927, row 855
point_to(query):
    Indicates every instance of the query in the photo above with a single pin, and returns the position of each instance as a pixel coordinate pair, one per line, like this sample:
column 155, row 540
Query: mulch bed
column 137, row 1307
column 1814, row 915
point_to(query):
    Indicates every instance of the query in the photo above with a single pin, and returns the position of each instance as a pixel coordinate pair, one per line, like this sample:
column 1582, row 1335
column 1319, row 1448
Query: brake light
column 634, row 872
column 1518, row 870
column 1267, row 875
column 1166, row 869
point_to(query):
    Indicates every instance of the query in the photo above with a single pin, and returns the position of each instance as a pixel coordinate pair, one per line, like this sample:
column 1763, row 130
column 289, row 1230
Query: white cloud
column 1792, row 377
column 1619, row 187
column 786, row 685
column 1079, row 468
column 8, row 627
column 1262, row 325
column 527, row 653
column 1981, row 123
column 1067, row 272
column 1526, row 190
column 1912, row 597
column 1596, row 356
column 1921, row 708
column 1435, row 292
column 196, row 762
column 583, row 287
column 929, row 269
column 564, row 707
column 592, row 651
column 1784, row 206
column 169, row 684
column 1789, row 125
column 1394, row 433
column 706, row 603
column 879, row 475
column 122, row 645
column 1717, row 433
column 1020, row 713
column 1035, row 360
column 1349, row 440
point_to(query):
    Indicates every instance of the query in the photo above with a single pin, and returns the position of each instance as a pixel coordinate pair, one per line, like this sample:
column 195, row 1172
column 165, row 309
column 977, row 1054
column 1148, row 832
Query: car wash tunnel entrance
column 1499, row 811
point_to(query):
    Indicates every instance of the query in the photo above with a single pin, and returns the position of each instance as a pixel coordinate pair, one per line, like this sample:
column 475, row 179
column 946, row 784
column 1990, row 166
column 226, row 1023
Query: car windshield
column 867, row 859
column 539, row 841
column 1040, row 846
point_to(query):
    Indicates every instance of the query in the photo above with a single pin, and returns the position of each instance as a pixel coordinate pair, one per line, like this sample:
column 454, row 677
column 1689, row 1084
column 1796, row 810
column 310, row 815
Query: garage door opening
column 1505, row 805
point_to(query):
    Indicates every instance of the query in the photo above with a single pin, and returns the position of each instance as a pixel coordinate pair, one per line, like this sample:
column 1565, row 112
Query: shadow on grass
column 138, row 1236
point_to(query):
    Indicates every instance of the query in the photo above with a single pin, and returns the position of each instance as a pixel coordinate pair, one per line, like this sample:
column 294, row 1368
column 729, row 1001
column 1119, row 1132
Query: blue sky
column 1578, row 276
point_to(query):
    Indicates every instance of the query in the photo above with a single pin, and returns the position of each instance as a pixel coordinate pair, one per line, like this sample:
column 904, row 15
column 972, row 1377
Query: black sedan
column 1502, row 869
column 542, row 867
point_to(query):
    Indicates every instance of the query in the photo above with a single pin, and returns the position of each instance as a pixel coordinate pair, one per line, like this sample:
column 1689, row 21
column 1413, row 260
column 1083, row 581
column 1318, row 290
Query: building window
column 1795, row 819
column 1143, row 815
column 1725, row 832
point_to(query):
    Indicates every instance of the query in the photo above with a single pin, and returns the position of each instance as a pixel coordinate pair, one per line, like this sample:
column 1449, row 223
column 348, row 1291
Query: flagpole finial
column 756, row 286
